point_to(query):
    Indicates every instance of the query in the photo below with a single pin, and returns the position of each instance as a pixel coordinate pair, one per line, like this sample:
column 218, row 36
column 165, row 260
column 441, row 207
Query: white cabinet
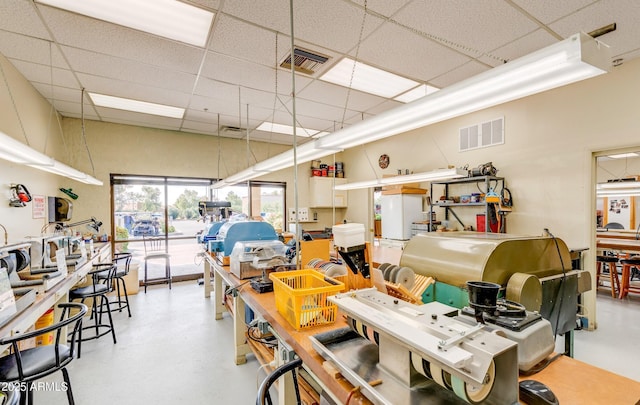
column 321, row 190
column 398, row 212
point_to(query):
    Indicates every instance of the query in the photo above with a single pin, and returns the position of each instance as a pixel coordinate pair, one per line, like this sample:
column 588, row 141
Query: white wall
column 546, row 158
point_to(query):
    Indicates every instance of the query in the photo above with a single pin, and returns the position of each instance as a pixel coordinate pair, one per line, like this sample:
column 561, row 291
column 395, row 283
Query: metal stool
column 611, row 262
column 100, row 286
column 626, row 286
column 122, row 262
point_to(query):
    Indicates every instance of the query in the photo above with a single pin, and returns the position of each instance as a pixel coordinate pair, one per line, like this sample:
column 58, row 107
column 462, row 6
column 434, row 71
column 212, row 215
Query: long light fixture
column 167, row 18
column 434, row 175
column 17, row 152
column 618, row 188
column 127, row 104
column 576, row 58
column 268, row 126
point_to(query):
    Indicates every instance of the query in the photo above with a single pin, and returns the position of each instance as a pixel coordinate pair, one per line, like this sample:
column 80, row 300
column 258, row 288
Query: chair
column 610, row 262
column 263, row 392
column 625, row 285
column 156, row 248
column 122, row 262
column 26, row 366
column 614, row 225
column 101, row 284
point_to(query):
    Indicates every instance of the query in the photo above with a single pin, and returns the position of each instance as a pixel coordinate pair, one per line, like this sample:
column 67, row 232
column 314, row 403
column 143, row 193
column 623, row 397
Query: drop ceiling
column 237, row 77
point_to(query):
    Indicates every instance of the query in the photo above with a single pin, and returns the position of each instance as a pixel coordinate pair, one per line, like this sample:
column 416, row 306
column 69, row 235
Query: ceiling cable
column 355, row 61
column 84, row 136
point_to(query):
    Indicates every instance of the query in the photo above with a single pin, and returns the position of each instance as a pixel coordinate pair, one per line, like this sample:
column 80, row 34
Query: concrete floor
column 172, row 351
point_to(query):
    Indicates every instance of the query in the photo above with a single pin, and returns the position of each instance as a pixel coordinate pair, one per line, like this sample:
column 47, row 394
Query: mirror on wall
column 618, row 191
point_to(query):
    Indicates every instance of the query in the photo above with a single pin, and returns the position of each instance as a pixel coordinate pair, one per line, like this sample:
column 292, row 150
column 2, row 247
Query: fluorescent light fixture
column 288, row 129
column 618, row 193
column 576, row 58
column 17, row 152
column 166, row 18
column 367, row 78
column 623, row 155
column 119, row 103
column 434, row 175
column 418, row 92
column 617, row 185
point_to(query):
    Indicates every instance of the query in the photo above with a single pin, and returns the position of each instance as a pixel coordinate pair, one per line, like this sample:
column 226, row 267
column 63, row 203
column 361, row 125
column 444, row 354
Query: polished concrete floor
column 172, row 351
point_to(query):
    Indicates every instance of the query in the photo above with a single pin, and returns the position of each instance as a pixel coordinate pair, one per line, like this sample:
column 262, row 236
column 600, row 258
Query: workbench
column 572, row 381
column 57, row 294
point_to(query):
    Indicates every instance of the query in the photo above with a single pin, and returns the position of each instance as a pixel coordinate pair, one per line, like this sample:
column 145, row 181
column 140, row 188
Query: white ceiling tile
column 42, row 74
column 23, row 19
column 83, row 32
column 58, row 92
column 30, row 49
column 463, row 72
column 520, row 47
column 335, row 95
column 408, row 54
column 548, row 11
column 380, row 108
column 97, row 64
column 472, row 27
column 97, row 84
column 625, row 13
column 243, row 40
column 211, row 5
column 384, row 7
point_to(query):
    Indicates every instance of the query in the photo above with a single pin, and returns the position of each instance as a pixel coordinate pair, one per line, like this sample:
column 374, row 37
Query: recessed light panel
column 418, row 92
column 167, row 18
column 368, row 79
column 144, row 107
column 288, row 129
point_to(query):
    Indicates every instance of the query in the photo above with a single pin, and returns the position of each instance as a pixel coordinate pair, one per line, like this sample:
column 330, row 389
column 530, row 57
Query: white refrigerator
column 398, row 212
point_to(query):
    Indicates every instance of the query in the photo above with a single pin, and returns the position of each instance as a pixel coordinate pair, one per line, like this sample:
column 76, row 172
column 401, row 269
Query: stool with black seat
column 611, row 262
column 122, row 262
column 25, row 367
column 625, row 285
column 101, row 284
column 155, row 247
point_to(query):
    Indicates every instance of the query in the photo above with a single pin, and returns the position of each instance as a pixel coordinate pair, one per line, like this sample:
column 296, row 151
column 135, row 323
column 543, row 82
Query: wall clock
column 383, row 161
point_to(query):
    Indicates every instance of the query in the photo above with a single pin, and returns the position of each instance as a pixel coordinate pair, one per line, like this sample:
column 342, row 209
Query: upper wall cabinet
column 321, row 190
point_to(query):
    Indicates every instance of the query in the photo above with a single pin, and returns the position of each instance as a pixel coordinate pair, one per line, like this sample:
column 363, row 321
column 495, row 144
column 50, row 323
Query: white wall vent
column 482, row 135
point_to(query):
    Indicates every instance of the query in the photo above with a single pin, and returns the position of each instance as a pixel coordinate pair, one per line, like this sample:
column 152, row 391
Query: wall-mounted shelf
column 484, row 184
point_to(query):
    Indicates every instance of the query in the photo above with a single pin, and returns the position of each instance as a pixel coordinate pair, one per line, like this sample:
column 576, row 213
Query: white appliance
column 398, row 212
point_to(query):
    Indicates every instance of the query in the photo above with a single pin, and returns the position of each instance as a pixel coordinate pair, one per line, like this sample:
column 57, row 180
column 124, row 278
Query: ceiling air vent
column 304, row 61
column 482, row 135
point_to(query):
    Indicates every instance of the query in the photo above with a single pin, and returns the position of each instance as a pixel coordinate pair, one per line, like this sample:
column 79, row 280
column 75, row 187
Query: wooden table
column 621, row 245
column 572, row 381
column 631, row 235
column 56, row 294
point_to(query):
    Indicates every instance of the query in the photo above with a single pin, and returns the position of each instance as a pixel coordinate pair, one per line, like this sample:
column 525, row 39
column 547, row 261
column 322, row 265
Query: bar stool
column 122, row 261
column 610, row 262
column 101, row 285
column 626, row 286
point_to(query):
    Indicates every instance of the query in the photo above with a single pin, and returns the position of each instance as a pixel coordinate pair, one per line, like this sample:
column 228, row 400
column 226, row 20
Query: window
column 168, row 207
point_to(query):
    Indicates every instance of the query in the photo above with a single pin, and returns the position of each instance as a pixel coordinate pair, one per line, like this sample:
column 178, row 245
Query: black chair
column 614, row 225
column 24, row 367
column 101, row 284
column 156, row 248
column 122, row 262
column 263, row 393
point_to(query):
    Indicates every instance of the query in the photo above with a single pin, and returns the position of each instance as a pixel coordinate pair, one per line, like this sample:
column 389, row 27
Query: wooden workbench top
column 573, row 381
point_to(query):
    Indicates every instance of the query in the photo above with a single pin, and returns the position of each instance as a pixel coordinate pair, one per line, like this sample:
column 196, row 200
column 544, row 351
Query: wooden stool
column 626, row 286
column 611, row 262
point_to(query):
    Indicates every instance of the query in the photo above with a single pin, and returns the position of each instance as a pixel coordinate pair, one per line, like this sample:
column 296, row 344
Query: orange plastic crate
column 301, row 297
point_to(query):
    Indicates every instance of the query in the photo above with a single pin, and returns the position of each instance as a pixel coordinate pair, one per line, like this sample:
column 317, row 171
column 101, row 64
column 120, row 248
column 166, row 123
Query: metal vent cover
column 481, row 135
column 304, row 61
